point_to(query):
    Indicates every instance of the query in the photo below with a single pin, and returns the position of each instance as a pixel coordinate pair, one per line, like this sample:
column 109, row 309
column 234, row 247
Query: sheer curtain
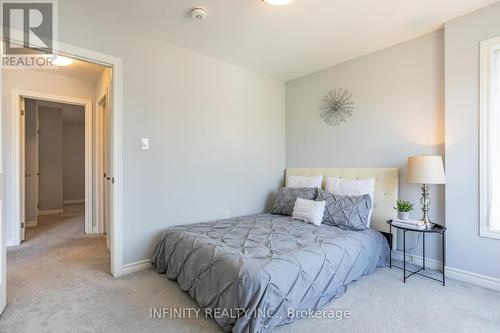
column 494, row 146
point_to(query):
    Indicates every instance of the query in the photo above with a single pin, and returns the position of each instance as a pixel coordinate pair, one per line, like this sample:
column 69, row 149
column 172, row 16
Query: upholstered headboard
column 386, row 188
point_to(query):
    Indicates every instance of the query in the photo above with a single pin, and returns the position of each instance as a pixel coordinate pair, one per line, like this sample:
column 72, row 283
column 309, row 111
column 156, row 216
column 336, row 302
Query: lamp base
column 425, row 200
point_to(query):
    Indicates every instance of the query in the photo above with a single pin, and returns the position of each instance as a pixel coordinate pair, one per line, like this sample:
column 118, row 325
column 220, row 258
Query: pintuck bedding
column 266, row 267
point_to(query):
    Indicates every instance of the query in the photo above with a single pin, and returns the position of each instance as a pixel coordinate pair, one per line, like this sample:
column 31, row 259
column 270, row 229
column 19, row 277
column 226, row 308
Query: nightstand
column 435, row 229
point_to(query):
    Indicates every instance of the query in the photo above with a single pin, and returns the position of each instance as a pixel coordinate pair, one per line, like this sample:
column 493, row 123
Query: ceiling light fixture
column 58, row 60
column 278, row 2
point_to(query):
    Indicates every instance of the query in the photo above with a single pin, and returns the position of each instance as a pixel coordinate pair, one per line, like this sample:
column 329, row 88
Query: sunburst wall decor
column 336, row 106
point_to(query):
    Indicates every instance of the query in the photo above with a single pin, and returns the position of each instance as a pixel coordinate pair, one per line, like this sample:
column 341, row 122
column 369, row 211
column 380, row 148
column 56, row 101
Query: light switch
column 145, row 143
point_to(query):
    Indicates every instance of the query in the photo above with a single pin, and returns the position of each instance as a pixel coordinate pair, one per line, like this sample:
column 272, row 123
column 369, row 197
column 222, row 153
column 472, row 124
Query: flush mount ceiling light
column 278, row 2
column 58, row 60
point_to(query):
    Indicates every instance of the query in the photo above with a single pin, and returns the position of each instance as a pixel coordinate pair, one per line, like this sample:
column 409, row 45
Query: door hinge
column 22, row 225
column 112, row 180
column 22, row 112
column 38, row 206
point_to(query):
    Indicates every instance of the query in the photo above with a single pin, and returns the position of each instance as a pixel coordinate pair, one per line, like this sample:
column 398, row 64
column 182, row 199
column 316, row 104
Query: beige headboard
column 386, row 188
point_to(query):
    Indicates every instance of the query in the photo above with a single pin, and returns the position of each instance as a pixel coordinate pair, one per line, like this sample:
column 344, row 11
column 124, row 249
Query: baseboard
column 455, row 273
column 31, row 224
column 11, row 242
column 474, row 278
column 73, row 201
column 50, row 211
column 136, row 266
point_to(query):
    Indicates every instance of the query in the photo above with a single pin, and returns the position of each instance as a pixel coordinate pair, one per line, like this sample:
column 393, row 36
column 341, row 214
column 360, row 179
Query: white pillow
column 309, row 211
column 304, row 181
column 341, row 186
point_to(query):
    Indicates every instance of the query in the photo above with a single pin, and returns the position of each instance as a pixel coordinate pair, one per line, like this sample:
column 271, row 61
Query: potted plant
column 403, row 208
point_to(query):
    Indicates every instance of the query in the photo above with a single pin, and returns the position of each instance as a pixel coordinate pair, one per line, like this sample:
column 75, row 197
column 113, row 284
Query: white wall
column 466, row 249
column 32, row 81
column 217, row 132
column 399, row 112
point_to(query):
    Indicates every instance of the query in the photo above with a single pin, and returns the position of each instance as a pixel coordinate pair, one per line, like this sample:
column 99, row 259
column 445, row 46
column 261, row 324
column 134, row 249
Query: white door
column 23, row 166
column 110, row 172
column 107, row 169
column 104, row 170
column 31, row 161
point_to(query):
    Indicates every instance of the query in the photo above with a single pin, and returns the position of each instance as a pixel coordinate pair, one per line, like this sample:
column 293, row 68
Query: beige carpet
column 58, row 281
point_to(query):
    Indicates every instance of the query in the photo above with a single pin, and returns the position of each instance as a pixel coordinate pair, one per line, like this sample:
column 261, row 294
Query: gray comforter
column 254, row 272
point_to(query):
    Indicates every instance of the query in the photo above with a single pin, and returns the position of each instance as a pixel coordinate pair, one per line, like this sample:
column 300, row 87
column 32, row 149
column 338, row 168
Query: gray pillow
column 346, row 212
column 285, row 200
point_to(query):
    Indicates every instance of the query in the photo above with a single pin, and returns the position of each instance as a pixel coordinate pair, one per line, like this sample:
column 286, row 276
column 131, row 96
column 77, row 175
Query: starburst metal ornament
column 336, row 107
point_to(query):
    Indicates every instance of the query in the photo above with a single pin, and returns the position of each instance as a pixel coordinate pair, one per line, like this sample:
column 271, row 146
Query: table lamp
column 425, row 170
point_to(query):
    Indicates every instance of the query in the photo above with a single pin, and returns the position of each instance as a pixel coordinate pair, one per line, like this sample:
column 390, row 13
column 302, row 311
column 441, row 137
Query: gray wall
column 217, row 131
column 399, row 111
column 50, row 158
column 74, row 158
column 466, row 249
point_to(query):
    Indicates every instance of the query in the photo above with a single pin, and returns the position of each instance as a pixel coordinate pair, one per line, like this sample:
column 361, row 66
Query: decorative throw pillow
column 309, row 211
column 352, row 187
column 304, row 181
column 285, row 200
column 346, row 212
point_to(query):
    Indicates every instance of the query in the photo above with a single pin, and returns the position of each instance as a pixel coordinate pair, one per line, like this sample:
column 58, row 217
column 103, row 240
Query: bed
column 256, row 272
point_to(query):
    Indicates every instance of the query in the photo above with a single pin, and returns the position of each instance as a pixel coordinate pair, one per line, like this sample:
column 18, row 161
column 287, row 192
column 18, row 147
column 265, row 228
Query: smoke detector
column 199, row 14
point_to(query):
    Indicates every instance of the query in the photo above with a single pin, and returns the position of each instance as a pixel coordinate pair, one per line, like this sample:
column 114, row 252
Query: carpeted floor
column 58, row 281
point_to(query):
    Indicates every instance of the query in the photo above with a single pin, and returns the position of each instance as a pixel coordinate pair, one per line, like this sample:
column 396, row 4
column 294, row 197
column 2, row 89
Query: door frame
column 32, row 223
column 21, row 227
column 116, row 208
column 19, row 160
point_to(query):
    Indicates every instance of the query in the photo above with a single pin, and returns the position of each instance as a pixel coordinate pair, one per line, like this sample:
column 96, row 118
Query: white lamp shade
column 425, row 170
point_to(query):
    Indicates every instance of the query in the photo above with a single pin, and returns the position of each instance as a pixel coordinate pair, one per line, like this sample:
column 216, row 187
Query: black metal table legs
column 390, row 246
column 404, row 256
column 418, row 272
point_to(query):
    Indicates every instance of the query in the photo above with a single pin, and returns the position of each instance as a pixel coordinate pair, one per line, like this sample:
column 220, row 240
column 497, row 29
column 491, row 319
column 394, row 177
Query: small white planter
column 404, row 215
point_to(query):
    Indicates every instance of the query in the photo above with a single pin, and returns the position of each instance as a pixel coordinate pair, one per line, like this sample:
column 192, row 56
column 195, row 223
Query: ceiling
column 283, row 42
column 78, row 70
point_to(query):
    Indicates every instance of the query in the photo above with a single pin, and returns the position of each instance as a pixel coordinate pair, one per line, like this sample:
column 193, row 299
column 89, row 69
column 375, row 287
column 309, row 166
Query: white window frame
column 487, row 48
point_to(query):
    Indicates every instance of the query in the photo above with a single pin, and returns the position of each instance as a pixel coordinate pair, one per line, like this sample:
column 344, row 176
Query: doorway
column 112, row 190
column 48, row 113
column 54, row 160
column 11, row 203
